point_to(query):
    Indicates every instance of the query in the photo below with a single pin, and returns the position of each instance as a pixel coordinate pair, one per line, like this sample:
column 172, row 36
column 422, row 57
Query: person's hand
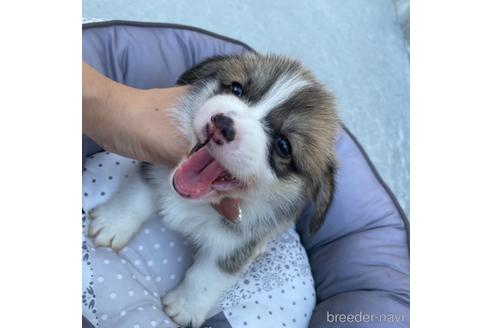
column 136, row 123
column 132, row 122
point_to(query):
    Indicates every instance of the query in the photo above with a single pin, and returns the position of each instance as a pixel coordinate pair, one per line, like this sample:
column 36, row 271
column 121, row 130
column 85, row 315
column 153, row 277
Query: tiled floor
column 355, row 47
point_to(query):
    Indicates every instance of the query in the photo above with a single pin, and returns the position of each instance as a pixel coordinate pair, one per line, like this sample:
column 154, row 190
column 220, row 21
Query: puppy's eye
column 237, row 89
column 282, row 147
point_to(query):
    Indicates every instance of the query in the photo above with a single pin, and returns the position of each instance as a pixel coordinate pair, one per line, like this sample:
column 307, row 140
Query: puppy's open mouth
column 200, row 174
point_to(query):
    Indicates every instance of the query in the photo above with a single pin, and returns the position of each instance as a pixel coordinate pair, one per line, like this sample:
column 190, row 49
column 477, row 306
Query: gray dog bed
column 360, row 257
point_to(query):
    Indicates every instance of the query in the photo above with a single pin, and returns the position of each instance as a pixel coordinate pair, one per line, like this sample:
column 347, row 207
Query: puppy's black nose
column 222, row 129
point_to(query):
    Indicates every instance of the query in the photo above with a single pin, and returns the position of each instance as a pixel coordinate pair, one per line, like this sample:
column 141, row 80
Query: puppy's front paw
column 109, row 228
column 185, row 308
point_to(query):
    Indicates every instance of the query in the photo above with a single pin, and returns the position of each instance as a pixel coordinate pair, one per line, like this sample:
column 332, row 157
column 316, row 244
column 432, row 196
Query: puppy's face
column 264, row 133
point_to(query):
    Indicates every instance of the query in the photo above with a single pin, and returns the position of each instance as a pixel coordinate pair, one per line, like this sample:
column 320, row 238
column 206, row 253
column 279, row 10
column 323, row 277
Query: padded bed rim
column 165, row 25
column 397, row 205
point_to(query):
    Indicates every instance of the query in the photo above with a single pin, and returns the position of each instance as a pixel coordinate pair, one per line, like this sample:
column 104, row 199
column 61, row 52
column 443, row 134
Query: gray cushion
column 360, row 257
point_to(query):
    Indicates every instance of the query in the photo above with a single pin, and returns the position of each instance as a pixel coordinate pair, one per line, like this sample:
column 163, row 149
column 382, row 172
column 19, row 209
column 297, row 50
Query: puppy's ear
column 204, row 70
column 322, row 197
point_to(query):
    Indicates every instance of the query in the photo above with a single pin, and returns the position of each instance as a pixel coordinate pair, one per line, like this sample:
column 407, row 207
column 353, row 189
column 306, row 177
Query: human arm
column 131, row 122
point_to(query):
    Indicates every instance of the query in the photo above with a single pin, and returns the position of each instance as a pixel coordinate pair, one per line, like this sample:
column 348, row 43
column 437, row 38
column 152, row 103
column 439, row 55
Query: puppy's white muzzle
column 245, row 154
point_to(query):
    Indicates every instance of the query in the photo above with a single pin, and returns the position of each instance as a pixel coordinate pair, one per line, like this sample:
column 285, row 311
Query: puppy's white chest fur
column 221, row 250
column 199, row 222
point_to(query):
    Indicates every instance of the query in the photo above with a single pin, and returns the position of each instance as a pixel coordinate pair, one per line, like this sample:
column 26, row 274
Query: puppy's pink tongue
column 195, row 176
column 228, row 208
